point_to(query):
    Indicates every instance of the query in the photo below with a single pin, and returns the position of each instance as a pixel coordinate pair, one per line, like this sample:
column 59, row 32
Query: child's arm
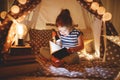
column 80, row 45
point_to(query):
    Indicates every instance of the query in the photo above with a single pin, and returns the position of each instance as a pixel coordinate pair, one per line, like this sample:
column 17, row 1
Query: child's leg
column 56, row 62
column 72, row 59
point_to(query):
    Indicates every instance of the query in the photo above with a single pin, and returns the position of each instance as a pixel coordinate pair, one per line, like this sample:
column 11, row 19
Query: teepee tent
column 40, row 15
column 47, row 12
column 43, row 17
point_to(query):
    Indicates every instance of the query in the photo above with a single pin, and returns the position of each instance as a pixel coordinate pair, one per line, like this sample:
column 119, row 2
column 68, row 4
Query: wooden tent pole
column 105, row 41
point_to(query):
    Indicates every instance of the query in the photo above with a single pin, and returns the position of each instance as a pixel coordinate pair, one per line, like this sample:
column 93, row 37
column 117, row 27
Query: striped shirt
column 70, row 40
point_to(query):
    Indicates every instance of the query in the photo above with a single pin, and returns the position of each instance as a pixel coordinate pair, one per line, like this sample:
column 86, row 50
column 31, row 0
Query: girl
column 71, row 38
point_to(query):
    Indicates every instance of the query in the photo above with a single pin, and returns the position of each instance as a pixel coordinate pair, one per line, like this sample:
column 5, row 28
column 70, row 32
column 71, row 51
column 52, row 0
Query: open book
column 54, row 47
column 57, row 51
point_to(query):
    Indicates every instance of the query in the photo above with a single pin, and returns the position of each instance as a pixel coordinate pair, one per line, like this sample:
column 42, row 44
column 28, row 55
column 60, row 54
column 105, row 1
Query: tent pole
column 105, row 41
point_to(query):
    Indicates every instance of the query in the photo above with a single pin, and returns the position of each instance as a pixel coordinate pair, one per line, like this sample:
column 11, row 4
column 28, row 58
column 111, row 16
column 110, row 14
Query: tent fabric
column 112, row 49
column 48, row 10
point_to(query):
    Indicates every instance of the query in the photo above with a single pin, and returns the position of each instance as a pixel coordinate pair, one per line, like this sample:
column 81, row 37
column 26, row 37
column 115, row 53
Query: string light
column 106, row 16
column 94, row 6
column 15, row 9
column 3, row 14
column 101, row 10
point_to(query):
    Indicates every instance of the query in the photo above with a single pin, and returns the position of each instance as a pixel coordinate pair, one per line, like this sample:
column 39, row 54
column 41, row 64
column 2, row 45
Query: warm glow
column 22, row 1
column 94, row 5
column 101, row 10
column 20, row 19
column 3, row 14
column 106, row 16
column 21, row 30
column 85, row 54
column 15, row 9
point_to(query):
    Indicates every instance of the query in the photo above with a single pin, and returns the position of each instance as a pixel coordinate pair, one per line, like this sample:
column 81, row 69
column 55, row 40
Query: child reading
column 71, row 39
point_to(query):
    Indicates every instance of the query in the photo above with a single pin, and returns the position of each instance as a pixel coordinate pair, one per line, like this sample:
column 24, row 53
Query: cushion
column 113, row 53
column 88, row 40
column 39, row 38
column 89, row 46
column 45, row 52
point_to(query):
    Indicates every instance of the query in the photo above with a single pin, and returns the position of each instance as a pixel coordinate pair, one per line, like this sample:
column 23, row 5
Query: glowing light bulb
column 106, row 16
column 94, row 5
column 101, row 10
column 15, row 9
column 3, row 14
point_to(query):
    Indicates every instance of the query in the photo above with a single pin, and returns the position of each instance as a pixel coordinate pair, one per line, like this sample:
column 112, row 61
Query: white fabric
column 49, row 9
column 97, row 32
column 54, row 47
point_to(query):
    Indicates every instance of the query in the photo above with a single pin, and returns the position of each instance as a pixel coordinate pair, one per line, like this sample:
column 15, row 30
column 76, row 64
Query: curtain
column 113, row 6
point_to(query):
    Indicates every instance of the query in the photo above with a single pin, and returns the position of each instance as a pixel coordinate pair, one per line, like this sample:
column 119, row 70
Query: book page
column 54, row 47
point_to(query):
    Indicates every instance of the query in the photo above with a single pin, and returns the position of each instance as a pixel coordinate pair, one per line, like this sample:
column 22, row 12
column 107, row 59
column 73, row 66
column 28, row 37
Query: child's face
column 63, row 30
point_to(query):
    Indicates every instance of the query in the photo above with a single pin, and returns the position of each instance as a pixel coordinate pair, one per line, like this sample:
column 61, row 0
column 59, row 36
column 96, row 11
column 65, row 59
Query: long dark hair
column 64, row 18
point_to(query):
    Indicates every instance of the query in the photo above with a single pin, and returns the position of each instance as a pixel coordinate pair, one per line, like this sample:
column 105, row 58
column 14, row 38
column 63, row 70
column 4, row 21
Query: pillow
column 89, row 46
column 39, row 38
column 45, row 52
column 113, row 53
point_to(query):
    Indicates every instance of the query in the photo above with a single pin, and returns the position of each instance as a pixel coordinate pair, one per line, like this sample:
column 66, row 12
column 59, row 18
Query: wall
column 113, row 6
column 2, row 5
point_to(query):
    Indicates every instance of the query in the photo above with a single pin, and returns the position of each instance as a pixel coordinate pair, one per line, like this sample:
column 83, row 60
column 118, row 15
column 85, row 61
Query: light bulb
column 101, row 10
column 3, row 14
column 94, row 5
column 15, row 9
column 106, row 16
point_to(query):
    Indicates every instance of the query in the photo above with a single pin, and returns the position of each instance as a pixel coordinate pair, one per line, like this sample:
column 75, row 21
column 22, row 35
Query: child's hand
column 54, row 59
column 58, row 42
column 70, row 50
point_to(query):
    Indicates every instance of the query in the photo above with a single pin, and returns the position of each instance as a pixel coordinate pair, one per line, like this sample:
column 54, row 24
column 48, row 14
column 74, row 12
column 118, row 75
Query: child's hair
column 64, row 18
